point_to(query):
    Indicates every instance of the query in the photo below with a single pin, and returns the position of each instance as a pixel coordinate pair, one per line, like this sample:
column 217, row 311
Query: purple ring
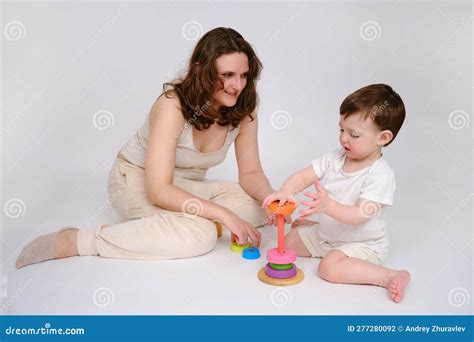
column 280, row 274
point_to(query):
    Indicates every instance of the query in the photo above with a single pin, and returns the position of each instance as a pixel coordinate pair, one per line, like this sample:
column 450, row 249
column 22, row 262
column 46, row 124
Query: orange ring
column 286, row 209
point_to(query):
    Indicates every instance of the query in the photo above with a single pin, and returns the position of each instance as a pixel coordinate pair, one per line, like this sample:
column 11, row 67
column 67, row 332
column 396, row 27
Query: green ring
column 281, row 266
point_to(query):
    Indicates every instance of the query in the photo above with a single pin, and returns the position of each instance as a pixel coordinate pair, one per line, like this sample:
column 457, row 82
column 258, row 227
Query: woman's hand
column 281, row 196
column 243, row 230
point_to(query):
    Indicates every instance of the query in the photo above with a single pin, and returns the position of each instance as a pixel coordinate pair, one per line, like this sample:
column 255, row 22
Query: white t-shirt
column 375, row 183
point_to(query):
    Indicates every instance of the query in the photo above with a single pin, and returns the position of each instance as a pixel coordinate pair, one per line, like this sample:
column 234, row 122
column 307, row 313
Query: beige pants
column 154, row 233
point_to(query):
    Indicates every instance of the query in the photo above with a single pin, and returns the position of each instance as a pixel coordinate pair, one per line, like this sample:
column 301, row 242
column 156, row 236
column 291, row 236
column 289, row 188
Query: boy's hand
column 318, row 204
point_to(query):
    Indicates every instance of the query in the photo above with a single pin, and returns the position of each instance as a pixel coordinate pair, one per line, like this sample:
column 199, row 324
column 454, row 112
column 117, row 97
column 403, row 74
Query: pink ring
column 280, row 274
column 287, row 257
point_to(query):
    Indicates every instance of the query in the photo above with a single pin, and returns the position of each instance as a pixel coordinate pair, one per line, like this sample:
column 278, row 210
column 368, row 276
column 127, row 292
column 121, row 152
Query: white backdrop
column 78, row 79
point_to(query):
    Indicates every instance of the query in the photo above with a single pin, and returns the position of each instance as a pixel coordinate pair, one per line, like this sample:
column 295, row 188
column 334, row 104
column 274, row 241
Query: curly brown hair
column 196, row 89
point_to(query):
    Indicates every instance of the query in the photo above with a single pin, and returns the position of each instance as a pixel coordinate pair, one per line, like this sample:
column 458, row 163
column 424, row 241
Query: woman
column 158, row 183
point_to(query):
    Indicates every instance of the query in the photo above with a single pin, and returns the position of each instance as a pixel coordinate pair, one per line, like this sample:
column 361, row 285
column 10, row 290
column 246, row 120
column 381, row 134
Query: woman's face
column 233, row 69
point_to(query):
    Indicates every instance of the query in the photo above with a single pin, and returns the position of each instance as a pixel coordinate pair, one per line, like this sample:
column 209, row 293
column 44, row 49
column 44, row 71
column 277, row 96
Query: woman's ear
column 197, row 67
column 385, row 137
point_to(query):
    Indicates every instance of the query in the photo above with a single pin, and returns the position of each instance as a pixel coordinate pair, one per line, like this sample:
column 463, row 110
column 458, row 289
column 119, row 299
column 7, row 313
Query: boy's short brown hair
column 380, row 104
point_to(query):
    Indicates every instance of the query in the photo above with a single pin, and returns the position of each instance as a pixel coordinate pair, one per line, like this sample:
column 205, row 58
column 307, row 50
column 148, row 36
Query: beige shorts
column 319, row 248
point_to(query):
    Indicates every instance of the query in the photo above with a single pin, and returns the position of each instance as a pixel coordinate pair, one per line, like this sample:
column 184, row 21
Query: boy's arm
column 356, row 214
column 348, row 214
column 299, row 181
column 296, row 183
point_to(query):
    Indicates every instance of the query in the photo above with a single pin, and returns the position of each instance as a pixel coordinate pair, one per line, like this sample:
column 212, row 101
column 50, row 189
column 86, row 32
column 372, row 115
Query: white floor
column 221, row 282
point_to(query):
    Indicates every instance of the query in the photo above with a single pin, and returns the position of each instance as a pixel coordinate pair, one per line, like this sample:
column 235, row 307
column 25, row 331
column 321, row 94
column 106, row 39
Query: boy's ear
column 385, row 137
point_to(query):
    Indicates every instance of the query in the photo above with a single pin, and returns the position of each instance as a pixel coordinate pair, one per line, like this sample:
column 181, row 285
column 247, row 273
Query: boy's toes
column 397, row 298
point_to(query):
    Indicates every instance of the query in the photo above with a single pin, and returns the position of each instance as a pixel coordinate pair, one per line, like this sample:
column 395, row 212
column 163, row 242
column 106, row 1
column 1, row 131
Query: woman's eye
column 244, row 76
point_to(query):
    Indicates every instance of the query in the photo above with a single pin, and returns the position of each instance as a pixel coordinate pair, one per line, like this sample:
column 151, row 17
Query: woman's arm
column 166, row 125
column 251, row 176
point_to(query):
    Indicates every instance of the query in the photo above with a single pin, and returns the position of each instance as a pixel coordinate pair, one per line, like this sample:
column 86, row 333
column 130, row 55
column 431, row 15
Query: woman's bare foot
column 396, row 285
column 60, row 244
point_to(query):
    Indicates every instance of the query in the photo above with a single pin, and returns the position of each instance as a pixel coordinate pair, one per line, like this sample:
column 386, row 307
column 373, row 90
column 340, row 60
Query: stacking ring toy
column 280, row 270
column 286, row 257
column 281, row 212
column 280, row 267
column 235, row 247
column 280, row 274
column 251, row 253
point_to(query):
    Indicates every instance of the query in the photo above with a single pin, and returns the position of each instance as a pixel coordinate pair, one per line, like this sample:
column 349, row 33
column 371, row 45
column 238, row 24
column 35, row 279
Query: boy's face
column 361, row 138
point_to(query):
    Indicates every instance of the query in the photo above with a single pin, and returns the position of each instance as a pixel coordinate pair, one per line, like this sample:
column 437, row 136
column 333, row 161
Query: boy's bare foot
column 60, row 244
column 396, row 285
column 303, row 222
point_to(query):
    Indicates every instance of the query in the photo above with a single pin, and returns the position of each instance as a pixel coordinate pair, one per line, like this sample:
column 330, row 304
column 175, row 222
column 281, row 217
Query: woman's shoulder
column 247, row 122
column 167, row 107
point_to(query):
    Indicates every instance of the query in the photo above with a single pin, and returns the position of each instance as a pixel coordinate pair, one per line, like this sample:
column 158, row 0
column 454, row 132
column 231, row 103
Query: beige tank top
column 190, row 163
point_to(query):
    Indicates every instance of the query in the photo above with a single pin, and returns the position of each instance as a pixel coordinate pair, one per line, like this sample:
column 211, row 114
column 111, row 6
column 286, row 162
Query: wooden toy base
column 281, row 282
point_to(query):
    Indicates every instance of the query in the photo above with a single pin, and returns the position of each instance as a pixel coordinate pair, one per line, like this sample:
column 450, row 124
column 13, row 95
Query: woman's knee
column 234, row 198
column 256, row 215
column 209, row 238
column 202, row 237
